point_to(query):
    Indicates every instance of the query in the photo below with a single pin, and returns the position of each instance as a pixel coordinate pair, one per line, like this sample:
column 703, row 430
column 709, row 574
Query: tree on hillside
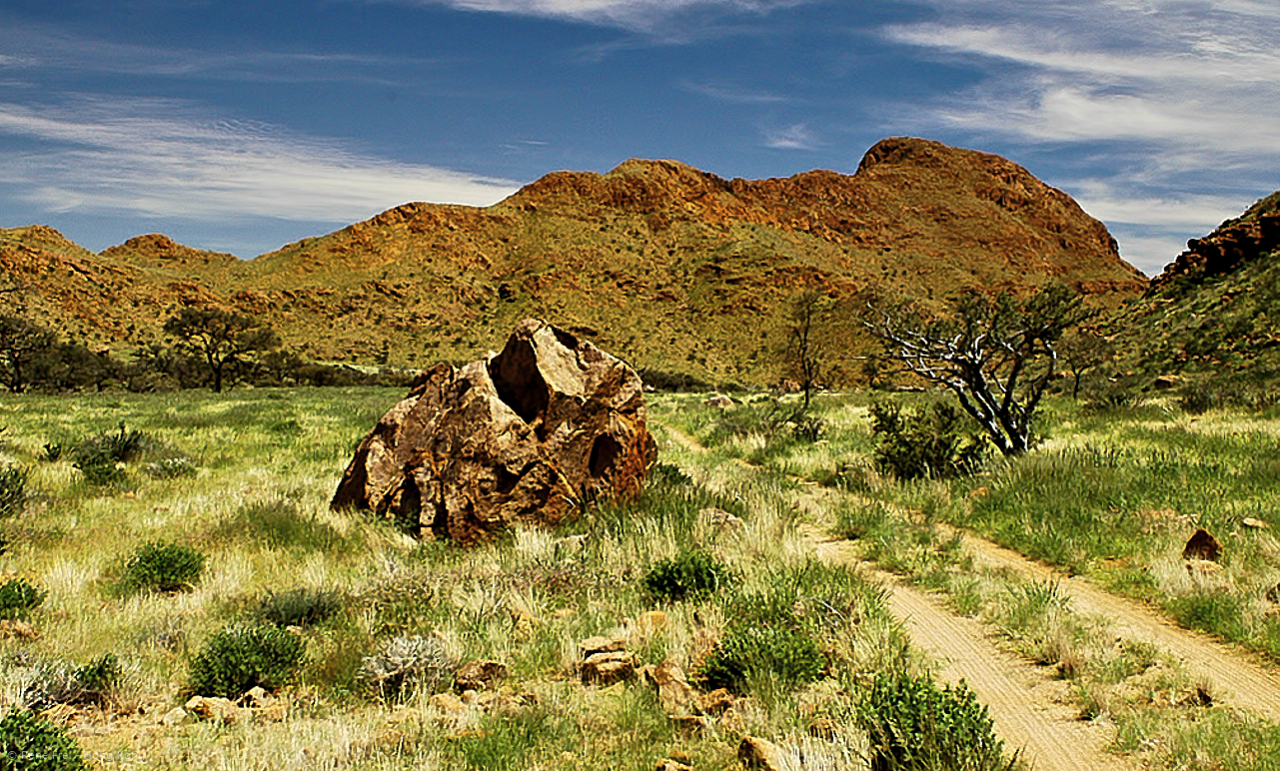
column 802, row 357
column 223, row 340
column 22, row 343
column 996, row 353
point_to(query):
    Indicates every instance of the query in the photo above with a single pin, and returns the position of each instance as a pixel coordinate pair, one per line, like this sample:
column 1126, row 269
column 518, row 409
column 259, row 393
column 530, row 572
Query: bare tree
column 996, row 353
column 803, row 355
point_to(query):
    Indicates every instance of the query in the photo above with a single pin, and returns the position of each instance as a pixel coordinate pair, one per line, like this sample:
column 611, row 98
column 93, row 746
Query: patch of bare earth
column 1024, row 701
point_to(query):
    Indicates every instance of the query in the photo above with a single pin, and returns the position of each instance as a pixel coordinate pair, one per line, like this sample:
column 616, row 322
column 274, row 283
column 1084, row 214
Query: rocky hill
column 1212, row 314
column 673, row 268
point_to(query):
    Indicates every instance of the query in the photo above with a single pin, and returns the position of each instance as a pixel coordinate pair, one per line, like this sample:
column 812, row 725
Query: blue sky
column 241, row 126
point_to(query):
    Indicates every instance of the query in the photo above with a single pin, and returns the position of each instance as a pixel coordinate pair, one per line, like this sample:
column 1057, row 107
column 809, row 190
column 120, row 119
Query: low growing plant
column 916, row 726
column 18, row 598
column 62, row 683
column 299, row 607
column 934, row 442
column 157, row 566
column 238, row 658
column 404, row 664
column 29, row 742
column 13, row 490
column 691, row 574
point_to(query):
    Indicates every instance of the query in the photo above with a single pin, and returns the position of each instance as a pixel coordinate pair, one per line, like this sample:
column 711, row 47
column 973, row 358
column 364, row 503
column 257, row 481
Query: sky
column 242, row 126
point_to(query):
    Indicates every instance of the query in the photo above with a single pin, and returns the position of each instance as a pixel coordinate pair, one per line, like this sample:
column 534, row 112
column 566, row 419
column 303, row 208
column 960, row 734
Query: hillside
column 672, row 268
column 1212, row 313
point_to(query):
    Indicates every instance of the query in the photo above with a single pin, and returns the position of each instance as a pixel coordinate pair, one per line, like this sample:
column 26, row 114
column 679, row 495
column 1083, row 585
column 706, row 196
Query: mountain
column 672, row 268
column 1214, row 313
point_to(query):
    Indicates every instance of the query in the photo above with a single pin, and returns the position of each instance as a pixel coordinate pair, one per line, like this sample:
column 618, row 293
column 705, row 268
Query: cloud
column 646, row 16
column 732, row 94
column 794, row 137
column 157, row 158
column 1173, row 105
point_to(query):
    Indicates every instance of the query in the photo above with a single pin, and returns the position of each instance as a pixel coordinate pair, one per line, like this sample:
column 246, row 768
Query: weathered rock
column 759, row 754
column 526, row 436
column 478, row 675
column 674, row 692
column 1202, row 546
column 720, row 519
column 605, row 661
column 217, row 709
column 671, row 764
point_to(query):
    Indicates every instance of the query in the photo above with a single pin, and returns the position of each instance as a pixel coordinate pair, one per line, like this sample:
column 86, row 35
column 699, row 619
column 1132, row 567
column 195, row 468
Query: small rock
column 759, row 754
column 1256, row 524
column 478, row 675
column 608, row 667
column 447, row 703
column 19, row 629
column 715, row 702
column 671, row 764
column 719, row 400
column 175, row 716
column 1203, row 567
column 689, row 725
column 1202, row 546
column 257, row 697
column 218, row 709
column 1273, row 594
column 721, row 519
column 674, row 692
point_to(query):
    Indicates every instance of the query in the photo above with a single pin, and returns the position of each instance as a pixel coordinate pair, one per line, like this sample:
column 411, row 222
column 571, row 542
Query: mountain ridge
column 669, row 266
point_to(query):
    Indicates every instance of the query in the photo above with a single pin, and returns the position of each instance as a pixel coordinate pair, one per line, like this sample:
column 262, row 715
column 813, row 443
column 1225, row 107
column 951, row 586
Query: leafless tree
column 996, row 353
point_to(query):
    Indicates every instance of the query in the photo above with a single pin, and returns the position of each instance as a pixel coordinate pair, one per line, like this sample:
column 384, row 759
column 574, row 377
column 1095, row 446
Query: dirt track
column 1022, row 698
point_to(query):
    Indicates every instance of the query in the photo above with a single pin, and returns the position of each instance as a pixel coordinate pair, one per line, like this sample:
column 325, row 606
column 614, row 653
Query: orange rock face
column 527, row 436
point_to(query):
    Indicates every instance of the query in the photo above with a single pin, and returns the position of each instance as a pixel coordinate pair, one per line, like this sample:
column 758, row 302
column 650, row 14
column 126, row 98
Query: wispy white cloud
column 1184, row 92
column 797, row 136
column 721, row 92
column 157, row 158
column 647, row 16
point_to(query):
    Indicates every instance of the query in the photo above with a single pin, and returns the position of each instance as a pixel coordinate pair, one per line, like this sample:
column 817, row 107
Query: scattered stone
column 716, row 702
column 478, row 675
column 1256, row 524
column 720, row 519
column 593, row 645
column 1203, row 568
column 759, row 754
column 650, row 623
column 1202, row 546
column 217, row 709
column 671, row 764
column 176, row 716
column 674, row 692
column 526, row 436
column 447, row 703
column 1273, row 594
column 21, row 630
column 689, row 725
column 608, row 668
column 719, row 400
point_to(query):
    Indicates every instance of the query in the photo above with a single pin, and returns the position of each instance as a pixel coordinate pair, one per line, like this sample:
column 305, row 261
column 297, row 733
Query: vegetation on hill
column 678, row 271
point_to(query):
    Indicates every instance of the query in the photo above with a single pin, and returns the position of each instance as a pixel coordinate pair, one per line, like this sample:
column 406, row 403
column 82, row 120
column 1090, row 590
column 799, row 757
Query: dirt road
column 1023, row 700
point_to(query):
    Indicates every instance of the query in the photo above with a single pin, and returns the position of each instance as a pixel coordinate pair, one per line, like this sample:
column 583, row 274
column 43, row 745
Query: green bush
column 689, row 575
column 299, row 607
column 31, row 743
column 239, row 658
column 935, row 441
column 61, row 683
column 18, row 598
column 915, row 726
column 98, row 457
column 748, row 653
column 157, row 566
column 13, row 490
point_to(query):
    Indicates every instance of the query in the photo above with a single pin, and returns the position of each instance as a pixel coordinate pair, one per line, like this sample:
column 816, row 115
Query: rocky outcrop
column 1224, row 250
column 529, row 435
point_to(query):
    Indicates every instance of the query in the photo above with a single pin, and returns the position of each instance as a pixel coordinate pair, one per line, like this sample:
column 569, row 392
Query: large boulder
column 527, row 436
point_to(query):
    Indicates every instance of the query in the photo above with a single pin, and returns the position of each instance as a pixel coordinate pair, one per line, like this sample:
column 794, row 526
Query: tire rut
column 1023, row 702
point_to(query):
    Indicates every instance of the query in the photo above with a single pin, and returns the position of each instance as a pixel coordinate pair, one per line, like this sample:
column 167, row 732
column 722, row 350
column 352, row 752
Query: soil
column 1026, row 703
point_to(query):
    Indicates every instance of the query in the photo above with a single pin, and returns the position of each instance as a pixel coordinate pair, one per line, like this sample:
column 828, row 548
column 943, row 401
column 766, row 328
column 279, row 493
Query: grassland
column 245, row 478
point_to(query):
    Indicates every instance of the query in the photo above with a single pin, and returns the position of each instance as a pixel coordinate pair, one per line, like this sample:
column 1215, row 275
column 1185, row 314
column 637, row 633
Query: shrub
column 688, row 575
column 749, row 652
column 404, row 664
column 239, row 658
column 171, row 468
column 13, row 490
column 60, row 683
column 913, row 725
column 299, row 607
column 98, row 457
column 18, row 598
column 934, row 442
column 31, row 743
column 157, row 566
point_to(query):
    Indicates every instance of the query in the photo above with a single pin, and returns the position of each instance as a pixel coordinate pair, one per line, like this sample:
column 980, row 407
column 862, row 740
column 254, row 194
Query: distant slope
column 670, row 267
column 1214, row 313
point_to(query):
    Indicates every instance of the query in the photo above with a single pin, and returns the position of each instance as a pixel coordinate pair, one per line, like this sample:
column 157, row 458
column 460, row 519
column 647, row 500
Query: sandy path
column 1021, row 697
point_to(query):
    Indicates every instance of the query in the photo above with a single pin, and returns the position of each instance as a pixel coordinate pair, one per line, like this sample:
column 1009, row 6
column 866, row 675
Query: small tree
column 22, row 343
column 996, row 353
column 225, row 341
column 803, row 356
